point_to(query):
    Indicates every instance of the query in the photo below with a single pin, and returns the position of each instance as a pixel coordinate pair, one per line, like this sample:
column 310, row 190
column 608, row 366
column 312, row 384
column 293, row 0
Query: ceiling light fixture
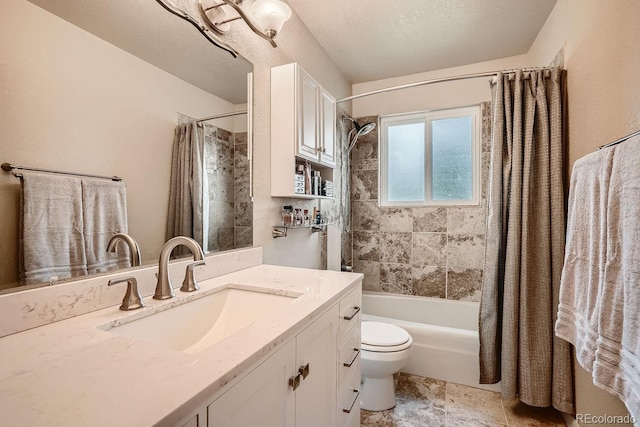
column 269, row 16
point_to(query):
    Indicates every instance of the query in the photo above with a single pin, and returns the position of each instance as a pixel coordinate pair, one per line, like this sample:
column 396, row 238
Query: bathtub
column 445, row 334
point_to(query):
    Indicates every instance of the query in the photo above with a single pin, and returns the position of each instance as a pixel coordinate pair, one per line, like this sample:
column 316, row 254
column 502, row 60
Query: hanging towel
column 51, row 233
column 580, row 286
column 617, row 364
column 600, row 288
column 104, row 206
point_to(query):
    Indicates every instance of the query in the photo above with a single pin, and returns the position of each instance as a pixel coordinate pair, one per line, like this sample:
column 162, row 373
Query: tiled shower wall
column 230, row 208
column 425, row 251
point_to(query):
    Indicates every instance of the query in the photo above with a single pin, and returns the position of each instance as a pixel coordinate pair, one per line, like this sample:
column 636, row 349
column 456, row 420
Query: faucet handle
column 132, row 299
column 190, row 283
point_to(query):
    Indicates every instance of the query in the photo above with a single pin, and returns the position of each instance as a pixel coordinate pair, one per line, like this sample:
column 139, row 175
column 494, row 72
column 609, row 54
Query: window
column 430, row 158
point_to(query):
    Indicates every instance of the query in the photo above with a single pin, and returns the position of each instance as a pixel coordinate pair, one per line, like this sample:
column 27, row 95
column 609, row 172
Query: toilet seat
column 384, row 337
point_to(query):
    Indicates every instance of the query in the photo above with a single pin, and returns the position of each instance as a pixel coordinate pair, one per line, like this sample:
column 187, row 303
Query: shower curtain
column 525, row 243
column 187, row 189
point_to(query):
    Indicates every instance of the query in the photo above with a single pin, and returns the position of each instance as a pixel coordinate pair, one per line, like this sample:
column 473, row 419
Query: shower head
column 359, row 130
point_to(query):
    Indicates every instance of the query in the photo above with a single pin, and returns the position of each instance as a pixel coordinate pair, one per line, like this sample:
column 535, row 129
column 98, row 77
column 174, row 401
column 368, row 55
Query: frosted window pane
column 451, row 159
column 406, row 163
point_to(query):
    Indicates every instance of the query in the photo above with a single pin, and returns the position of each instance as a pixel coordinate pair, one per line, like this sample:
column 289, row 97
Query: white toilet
column 385, row 349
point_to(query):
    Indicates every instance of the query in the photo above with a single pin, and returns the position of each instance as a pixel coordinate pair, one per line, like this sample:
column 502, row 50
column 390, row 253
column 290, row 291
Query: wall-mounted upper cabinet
column 303, row 128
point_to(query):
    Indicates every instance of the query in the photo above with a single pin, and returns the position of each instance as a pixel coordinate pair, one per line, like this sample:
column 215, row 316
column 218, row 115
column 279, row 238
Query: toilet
column 385, row 349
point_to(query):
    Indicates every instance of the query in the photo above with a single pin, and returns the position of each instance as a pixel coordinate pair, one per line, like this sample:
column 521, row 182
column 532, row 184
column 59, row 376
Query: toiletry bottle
column 287, row 215
column 306, row 221
column 298, row 218
column 318, row 217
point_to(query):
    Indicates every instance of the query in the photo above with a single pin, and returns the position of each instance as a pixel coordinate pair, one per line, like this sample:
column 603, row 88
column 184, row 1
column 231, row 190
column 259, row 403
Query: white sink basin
column 198, row 324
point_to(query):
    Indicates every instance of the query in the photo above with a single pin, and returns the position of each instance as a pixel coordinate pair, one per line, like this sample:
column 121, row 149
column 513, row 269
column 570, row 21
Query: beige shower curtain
column 525, row 243
column 188, row 185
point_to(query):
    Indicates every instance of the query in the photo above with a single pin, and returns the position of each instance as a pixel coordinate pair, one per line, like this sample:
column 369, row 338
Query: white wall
column 71, row 101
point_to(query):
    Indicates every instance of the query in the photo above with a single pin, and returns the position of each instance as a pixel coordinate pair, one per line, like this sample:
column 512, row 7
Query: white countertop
column 70, row 373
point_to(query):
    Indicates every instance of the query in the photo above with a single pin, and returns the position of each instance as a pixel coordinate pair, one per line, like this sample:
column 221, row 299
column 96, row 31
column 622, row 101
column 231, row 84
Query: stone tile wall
column 230, row 209
column 430, row 251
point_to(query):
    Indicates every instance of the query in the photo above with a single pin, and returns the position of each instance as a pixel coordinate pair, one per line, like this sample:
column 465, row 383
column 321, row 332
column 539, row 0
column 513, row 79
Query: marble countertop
column 72, row 373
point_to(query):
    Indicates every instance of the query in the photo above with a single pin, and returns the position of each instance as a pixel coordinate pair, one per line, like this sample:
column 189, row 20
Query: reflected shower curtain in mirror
column 525, row 243
column 188, row 188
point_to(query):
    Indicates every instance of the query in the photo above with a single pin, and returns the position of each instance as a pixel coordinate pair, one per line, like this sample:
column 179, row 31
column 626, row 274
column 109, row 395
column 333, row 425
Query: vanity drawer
column 349, row 400
column 350, row 311
column 349, row 356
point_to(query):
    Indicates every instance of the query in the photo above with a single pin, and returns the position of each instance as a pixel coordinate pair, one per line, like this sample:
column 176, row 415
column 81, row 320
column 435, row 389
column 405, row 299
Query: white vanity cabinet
column 303, row 128
column 312, row 380
column 293, row 387
column 349, row 359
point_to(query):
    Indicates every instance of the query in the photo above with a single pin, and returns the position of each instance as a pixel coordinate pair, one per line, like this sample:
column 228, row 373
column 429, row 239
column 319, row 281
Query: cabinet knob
column 294, row 382
column 304, row 371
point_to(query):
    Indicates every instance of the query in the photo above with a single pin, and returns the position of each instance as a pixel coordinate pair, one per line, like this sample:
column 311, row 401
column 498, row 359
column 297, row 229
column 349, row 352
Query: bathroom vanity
column 290, row 358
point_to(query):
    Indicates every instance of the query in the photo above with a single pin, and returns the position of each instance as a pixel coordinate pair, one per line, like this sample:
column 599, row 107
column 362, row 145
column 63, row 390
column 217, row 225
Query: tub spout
column 164, row 289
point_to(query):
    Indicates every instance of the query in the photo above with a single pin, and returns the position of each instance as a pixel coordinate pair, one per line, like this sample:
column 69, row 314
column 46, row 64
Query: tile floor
column 425, row 402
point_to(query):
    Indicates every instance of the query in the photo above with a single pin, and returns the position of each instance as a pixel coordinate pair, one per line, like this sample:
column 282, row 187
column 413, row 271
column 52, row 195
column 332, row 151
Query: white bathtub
column 445, row 334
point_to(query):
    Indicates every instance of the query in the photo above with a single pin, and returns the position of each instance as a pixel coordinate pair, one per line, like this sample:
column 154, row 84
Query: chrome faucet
column 164, row 289
column 134, row 249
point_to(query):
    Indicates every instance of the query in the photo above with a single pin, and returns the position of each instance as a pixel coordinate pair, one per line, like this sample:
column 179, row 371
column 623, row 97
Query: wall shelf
column 281, row 230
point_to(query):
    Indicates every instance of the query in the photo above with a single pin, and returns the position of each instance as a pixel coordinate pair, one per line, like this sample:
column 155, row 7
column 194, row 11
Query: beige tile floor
column 425, row 402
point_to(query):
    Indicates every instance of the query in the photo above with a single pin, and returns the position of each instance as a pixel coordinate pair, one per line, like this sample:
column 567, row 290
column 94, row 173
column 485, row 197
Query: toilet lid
column 378, row 334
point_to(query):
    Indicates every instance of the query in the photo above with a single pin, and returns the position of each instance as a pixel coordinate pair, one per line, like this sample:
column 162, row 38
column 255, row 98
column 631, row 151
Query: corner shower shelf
column 281, row 230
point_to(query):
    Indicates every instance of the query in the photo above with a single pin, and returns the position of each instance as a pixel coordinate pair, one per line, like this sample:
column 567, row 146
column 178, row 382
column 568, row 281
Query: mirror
column 97, row 87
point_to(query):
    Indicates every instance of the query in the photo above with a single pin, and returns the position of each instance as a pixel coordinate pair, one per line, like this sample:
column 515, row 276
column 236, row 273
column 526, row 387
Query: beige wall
column 71, row 101
column 602, row 42
column 432, row 97
column 295, row 44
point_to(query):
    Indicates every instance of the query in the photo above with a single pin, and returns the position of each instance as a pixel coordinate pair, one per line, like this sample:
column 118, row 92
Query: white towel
column 580, row 286
column 51, row 231
column 599, row 310
column 104, row 205
column 617, row 364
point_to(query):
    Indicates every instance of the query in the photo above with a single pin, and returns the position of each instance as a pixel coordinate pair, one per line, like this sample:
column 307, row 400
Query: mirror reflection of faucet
column 134, row 249
column 164, row 289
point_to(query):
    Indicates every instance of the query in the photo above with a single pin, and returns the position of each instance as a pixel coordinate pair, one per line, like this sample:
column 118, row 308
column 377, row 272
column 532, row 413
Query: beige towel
column 617, row 364
column 580, row 286
column 104, row 205
column 51, row 232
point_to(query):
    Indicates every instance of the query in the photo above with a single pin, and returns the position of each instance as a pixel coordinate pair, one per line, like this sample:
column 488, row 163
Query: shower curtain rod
column 437, row 80
column 8, row 167
column 220, row 116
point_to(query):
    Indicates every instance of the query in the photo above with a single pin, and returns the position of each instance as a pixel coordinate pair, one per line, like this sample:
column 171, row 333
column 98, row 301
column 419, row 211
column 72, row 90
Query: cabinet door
column 316, row 399
column 328, row 128
column 307, row 145
column 263, row 398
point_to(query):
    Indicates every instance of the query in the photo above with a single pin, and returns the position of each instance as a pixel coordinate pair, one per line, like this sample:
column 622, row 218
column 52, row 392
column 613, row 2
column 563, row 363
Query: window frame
column 427, row 117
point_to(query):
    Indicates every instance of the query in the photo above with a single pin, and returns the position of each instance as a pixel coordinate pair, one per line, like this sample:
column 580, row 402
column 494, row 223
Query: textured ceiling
column 376, row 39
column 146, row 30
column 367, row 39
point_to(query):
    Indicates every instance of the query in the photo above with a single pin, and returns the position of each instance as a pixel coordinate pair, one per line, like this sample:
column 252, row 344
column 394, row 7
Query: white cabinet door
column 307, row 145
column 328, row 128
column 316, row 398
column 263, row 398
